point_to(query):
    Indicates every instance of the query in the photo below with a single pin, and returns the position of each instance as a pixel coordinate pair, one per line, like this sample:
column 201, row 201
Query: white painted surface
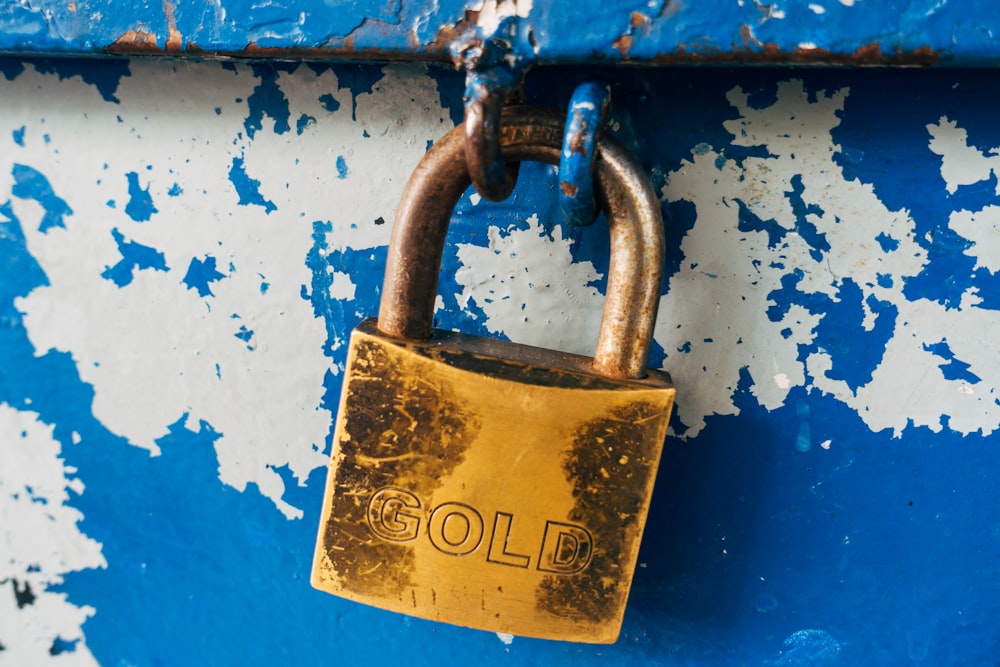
column 41, row 542
column 156, row 350
column 529, row 288
column 721, row 290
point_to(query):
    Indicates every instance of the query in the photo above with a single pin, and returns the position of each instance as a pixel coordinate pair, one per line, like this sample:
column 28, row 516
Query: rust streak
column 135, row 42
column 174, row 39
column 747, row 51
column 623, row 44
column 757, row 53
column 345, row 51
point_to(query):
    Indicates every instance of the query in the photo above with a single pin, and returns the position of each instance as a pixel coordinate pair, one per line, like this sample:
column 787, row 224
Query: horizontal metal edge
column 821, row 33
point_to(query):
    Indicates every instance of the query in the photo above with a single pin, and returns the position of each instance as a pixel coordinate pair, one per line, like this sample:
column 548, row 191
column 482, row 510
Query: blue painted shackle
column 635, row 273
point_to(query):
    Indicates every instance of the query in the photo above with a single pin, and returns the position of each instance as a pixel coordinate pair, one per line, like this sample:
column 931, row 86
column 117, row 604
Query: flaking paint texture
column 825, row 495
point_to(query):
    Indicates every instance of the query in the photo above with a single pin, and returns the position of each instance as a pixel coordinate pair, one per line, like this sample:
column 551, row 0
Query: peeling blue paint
column 317, row 293
column 135, row 257
column 958, row 32
column 776, row 234
column 585, row 118
column 32, row 184
column 11, row 68
column 341, row 167
column 862, row 553
column 803, row 226
column 60, row 646
column 248, row 188
column 358, row 79
column 857, row 356
column 200, row 273
column 329, row 102
column 887, row 243
column 953, row 369
column 20, row 271
column 245, row 335
column 18, row 136
column 104, row 77
column 140, row 204
column 304, row 122
column 268, row 100
column 750, row 222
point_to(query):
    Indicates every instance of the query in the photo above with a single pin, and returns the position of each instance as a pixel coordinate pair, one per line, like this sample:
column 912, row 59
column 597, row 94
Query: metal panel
column 184, row 247
column 851, row 32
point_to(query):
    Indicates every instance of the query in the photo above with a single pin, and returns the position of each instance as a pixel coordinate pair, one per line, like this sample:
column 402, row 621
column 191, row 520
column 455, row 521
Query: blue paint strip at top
column 922, row 32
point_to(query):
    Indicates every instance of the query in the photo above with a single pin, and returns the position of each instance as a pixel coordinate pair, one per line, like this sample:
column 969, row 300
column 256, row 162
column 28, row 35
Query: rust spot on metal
column 758, row 53
column 568, row 188
column 576, row 141
column 639, row 19
column 623, row 44
column 174, row 39
column 135, row 42
column 346, row 51
column 746, row 36
column 142, row 43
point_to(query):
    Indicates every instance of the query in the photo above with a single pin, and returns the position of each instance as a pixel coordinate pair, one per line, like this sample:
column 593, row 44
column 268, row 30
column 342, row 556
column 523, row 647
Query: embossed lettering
column 458, row 529
column 455, row 529
column 388, row 514
column 499, row 541
column 566, row 548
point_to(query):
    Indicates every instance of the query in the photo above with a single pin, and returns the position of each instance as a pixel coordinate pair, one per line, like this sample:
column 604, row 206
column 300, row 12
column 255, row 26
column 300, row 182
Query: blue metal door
column 185, row 246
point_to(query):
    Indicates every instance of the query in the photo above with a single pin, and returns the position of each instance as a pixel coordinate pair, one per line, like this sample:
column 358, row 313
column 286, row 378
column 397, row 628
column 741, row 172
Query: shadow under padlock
column 485, row 483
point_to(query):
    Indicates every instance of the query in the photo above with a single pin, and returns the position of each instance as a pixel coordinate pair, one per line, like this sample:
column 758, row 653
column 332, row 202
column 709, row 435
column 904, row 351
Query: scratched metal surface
column 185, row 246
column 946, row 32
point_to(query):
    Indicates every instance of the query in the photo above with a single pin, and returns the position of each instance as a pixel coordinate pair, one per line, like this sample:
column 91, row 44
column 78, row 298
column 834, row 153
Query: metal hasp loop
column 493, row 178
column 588, row 109
column 635, row 273
column 491, row 72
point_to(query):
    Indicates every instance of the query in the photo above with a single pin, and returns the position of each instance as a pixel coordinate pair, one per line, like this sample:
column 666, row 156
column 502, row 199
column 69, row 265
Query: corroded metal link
column 635, row 273
column 588, row 108
column 493, row 179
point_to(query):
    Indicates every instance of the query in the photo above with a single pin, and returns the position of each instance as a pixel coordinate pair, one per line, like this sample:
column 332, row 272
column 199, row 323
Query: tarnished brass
column 489, row 484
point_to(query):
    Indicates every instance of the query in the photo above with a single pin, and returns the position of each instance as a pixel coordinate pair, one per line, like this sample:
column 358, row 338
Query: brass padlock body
column 489, row 484
column 484, row 483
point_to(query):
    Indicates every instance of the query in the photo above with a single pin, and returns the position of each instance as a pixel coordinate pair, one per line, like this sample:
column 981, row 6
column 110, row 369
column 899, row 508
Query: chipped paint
column 625, row 30
column 831, row 271
column 139, row 251
column 42, row 543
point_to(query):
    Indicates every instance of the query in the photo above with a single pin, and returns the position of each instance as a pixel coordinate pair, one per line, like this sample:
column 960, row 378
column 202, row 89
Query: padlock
column 485, row 483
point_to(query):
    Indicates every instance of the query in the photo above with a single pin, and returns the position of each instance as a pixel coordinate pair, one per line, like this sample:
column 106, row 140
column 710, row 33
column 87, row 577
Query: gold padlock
column 489, row 484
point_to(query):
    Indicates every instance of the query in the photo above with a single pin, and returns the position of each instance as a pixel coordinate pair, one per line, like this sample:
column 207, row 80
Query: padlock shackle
column 635, row 272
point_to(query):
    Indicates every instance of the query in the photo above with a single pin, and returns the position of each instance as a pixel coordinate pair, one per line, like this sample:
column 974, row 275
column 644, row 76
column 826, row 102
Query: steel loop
column 493, row 179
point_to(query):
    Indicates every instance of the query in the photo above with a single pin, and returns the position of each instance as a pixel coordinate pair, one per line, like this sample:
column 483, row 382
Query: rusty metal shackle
column 493, row 177
column 635, row 272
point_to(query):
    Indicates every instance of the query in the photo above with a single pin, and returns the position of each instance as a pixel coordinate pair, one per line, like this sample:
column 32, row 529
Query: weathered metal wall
column 947, row 32
column 185, row 246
